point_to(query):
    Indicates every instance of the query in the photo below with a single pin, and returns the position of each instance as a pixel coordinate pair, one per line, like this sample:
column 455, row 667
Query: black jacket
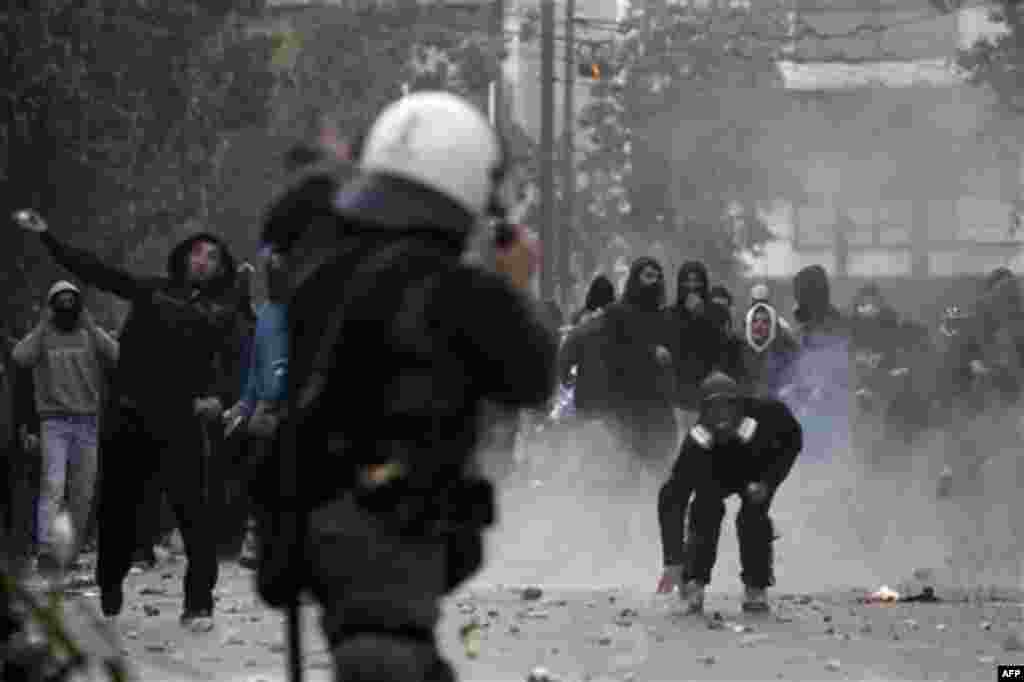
column 699, row 344
column 176, row 344
column 585, row 349
column 438, row 336
column 768, row 458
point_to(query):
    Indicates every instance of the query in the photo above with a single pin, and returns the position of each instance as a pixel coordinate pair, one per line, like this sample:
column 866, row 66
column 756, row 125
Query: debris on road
column 927, row 596
column 884, row 595
column 532, row 594
column 707, row 660
column 833, row 666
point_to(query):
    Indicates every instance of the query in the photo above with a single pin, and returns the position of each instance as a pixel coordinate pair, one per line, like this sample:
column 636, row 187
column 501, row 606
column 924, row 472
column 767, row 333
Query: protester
column 741, row 445
column 258, row 411
column 641, row 382
column 398, row 523
column 68, row 354
column 163, row 400
column 600, row 295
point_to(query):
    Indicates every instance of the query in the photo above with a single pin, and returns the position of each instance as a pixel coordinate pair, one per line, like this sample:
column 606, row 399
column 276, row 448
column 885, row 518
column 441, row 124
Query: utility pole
column 498, row 38
column 547, row 143
column 568, row 157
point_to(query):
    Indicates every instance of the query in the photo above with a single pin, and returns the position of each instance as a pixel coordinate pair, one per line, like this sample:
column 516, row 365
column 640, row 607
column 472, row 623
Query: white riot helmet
column 443, row 142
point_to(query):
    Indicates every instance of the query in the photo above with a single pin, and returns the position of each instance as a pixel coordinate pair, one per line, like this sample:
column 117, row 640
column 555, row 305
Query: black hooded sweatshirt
column 636, row 326
column 600, row 295
column 178, row 343
column 699, row 342
column 814, row 310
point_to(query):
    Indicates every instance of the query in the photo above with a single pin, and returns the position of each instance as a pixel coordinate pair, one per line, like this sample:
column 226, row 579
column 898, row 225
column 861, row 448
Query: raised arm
column 85, row 265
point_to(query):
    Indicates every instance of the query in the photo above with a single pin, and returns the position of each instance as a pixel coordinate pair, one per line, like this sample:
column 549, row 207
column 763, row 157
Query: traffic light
column 595, row 69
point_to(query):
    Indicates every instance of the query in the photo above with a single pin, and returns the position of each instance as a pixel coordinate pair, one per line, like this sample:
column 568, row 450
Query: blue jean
column 70, row 462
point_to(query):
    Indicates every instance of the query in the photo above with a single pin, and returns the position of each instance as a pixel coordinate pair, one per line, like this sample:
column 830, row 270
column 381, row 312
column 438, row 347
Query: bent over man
column 741, row 445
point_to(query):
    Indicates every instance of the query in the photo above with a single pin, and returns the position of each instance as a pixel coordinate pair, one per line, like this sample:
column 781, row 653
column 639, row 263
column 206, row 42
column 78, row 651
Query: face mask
column 694, row 302
column 722, row 421
column 65, row 319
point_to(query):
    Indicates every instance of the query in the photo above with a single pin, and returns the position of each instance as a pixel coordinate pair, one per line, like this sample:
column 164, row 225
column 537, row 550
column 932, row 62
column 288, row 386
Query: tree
column 114, row 147
column 686, row 102
column 998, row 61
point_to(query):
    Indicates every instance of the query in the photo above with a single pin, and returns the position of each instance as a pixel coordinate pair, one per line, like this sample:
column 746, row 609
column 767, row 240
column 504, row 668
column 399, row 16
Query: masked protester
column 178, row 353
column 68, row 355
column 640, row 379
column 820, row 384
column 600, row 295
column 698, row 337
column 721, row 297
column 391, row 513
column 1001, row 323
column 582, row 360
column 742, row 446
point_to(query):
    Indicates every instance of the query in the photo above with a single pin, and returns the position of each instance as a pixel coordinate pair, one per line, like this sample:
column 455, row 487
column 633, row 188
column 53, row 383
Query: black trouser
column 753, row 528
column 144, row 454
column 380, row 593
column 673, row 500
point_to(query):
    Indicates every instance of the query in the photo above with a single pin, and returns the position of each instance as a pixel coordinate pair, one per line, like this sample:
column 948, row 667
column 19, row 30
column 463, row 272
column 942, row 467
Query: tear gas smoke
column 581, row 519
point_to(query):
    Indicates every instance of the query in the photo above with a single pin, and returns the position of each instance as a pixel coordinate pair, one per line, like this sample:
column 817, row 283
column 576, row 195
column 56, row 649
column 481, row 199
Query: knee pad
column 384, row 658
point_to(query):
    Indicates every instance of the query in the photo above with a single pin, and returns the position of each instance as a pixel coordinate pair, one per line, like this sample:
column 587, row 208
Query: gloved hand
column 671, row 578
column 30, row 220
column 757, row 492
column 208, row 408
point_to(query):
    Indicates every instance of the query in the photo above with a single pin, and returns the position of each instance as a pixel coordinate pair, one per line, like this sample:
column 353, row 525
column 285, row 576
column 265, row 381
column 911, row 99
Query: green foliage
column 673, row 134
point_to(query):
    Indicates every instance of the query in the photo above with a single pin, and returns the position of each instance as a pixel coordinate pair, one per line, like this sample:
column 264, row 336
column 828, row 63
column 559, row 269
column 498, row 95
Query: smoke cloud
column 581, row 519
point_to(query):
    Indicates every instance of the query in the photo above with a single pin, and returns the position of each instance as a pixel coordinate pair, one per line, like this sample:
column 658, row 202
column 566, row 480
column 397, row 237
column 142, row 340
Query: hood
column 812, row 293
column 600, row 293
column 219, row 285
column 759, row 293
column 632, row 292
column 59, row 288
column 684, row 271
column 772, row 314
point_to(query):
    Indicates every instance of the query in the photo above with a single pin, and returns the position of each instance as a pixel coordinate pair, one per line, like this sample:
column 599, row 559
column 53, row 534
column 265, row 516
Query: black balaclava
column 647, row 296
column 719, row 291
column 721, row 406
column 600, row 294
column 812, row 293
column 683, row 290
column 66, row 319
